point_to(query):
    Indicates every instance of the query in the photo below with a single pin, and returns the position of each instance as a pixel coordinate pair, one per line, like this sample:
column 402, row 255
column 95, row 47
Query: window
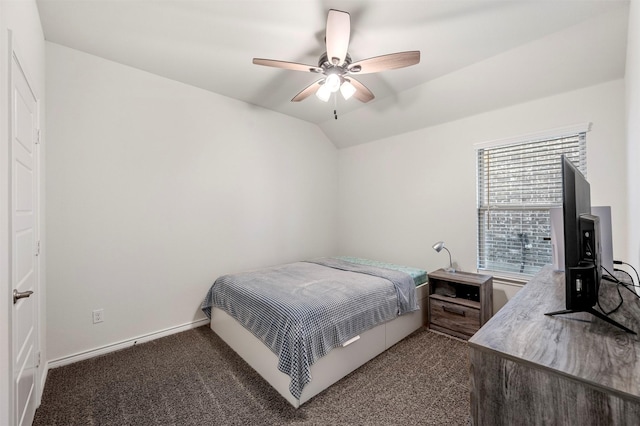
column 517, row 184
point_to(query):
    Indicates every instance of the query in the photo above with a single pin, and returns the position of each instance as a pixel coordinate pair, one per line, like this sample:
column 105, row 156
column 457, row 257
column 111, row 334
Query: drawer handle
column 453, row 310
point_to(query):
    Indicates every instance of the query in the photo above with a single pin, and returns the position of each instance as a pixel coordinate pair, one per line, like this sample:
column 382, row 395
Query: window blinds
column 517, row 184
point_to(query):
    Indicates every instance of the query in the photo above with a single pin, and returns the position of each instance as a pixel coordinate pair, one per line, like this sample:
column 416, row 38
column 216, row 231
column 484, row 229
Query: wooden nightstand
column 459, row 302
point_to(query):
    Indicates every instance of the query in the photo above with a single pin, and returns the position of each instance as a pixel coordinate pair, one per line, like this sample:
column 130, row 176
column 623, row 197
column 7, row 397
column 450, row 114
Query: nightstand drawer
column 453, row 316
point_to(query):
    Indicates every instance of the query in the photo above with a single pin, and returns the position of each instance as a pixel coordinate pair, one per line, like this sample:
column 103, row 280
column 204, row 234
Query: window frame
column 548, row 135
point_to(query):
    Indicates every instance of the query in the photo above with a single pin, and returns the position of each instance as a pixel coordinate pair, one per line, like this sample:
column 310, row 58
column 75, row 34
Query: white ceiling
column 477, row 55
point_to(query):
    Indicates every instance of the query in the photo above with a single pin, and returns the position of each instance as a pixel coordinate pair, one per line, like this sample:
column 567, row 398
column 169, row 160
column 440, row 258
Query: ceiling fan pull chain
column 335, row 106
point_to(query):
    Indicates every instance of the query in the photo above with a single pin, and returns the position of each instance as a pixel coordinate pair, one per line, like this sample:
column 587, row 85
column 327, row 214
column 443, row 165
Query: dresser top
column 577, row 345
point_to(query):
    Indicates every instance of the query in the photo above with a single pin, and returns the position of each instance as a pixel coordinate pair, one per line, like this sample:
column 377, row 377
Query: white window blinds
column 517, row 184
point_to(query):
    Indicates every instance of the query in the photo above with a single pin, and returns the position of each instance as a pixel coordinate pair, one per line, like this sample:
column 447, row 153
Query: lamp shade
column 323, row 93
column 347, row 89
column 332, row 82
column 438, row 248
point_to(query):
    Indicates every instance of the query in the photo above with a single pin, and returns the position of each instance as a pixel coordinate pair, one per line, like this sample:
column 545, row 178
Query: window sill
column 505, row 278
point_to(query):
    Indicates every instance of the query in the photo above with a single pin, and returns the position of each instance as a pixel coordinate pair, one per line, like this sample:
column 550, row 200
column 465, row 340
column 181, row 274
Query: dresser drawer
column 455, row 317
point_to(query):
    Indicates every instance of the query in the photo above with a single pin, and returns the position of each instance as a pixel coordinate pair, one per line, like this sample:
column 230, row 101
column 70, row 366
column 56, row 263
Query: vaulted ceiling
column 477, row 55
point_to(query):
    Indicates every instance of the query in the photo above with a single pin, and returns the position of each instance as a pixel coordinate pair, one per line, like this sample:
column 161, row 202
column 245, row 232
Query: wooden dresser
column 531, row 369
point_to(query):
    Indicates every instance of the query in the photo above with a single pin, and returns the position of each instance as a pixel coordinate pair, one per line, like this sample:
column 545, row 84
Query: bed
column 303, row 326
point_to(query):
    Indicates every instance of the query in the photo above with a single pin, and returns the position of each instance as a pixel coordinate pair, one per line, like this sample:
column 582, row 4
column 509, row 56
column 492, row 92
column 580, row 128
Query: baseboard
column 91, row 353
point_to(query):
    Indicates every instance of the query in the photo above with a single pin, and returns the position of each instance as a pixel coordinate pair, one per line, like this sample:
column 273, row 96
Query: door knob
column 20, row 295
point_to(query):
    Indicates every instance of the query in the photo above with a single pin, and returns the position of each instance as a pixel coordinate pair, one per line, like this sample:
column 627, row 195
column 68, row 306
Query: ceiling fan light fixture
column 335, row 64
column 347, row 89
column 332, row 82
column 323, row 93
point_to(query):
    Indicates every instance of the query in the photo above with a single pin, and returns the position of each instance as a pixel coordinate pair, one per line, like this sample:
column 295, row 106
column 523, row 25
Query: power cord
column 620, row 262
column 627, row 274
column 612, row 278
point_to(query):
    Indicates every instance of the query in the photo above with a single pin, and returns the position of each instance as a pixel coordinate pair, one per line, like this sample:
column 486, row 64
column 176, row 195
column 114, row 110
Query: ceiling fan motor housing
column 326, row 65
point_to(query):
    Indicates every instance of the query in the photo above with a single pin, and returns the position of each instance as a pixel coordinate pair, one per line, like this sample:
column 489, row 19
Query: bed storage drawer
column 454, row 316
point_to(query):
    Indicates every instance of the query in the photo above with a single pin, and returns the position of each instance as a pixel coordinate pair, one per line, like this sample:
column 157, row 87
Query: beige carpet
column 194, row 378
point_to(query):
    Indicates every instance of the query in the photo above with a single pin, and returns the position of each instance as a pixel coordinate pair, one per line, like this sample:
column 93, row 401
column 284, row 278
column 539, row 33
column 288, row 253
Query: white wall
column 632, row 80
column 400, row 195
column 155, row 188
column 21, row 17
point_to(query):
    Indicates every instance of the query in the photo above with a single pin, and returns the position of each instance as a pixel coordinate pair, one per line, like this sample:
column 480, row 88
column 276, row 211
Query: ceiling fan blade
column 307, row 91
column 286, row 65
column 337, row 36
column 385, row 62
column 362, row 93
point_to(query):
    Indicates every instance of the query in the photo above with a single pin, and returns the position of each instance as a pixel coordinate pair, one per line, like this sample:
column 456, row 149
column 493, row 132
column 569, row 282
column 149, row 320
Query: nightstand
column 459, row 302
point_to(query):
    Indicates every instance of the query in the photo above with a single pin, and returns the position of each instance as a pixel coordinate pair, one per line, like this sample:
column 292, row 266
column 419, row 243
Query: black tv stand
column 594, row 313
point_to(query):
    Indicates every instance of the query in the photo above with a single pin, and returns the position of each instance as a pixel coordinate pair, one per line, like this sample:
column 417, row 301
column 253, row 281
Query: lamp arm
column 450, row 263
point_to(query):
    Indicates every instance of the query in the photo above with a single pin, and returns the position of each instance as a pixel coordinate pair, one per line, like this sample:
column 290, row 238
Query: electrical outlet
column 98, row 316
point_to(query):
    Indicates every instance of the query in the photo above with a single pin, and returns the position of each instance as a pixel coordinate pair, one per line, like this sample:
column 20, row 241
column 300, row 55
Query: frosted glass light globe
column 332, row 82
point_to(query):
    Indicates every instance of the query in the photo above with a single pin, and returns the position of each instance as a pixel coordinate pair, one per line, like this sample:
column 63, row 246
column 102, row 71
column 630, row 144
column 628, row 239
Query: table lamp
column 438, row 247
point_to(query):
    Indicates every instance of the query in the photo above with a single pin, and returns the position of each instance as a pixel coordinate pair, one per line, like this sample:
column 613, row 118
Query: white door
column 24, row 265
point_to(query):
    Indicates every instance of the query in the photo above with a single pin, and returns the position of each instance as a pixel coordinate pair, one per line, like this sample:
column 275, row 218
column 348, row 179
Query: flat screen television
column 582, row 250
column 581, row 245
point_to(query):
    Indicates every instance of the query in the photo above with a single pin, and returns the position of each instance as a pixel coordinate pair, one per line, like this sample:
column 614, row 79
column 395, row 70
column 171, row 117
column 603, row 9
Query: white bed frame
column 328, row 369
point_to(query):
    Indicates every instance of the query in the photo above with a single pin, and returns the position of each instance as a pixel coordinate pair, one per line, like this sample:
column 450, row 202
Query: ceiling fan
column 337, row 67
